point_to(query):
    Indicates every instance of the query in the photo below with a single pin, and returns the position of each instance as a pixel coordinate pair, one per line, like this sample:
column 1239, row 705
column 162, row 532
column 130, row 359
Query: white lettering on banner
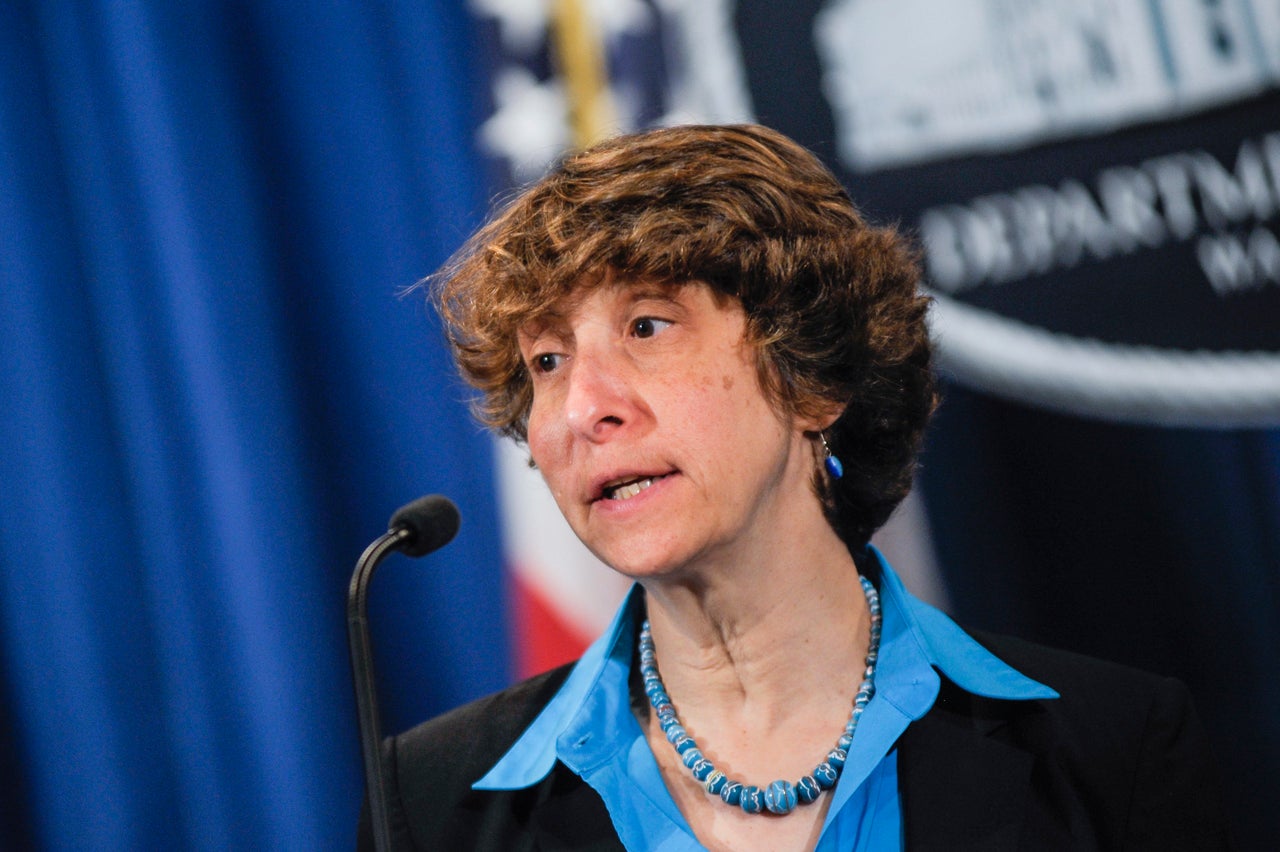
column 1232, row 263
column 1227, row 197
column 1130, row 196
column 914, row 81
column 1007, row 236
column 1174, row 185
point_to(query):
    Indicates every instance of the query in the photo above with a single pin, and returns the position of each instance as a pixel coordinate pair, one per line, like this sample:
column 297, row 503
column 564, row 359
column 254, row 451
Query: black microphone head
column 432, row 522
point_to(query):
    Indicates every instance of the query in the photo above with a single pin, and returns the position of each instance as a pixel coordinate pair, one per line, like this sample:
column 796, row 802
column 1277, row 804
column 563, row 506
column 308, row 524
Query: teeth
column 631, row 489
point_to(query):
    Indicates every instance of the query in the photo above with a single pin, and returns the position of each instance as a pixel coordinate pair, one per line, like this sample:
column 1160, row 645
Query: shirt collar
column 949, row 649
column 533, row 755
column 577, row 723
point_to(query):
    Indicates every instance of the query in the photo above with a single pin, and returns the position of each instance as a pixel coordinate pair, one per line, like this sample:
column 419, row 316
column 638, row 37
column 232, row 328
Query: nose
column 600, row 396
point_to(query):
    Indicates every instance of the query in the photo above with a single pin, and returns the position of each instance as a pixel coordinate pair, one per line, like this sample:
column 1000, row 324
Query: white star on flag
column 528, row 128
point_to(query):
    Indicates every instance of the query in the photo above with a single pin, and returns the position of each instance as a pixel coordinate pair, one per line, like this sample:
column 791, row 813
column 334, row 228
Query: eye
column 546, row 362
column 648, row 326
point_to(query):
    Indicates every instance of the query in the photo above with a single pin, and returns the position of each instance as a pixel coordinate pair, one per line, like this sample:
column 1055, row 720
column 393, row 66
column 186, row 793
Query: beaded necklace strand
column 780, row 797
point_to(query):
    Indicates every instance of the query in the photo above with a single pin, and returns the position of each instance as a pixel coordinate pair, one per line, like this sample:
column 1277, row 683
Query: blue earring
column 831, row 462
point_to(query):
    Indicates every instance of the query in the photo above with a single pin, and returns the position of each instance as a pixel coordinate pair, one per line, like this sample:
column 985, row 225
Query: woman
column 723, row 375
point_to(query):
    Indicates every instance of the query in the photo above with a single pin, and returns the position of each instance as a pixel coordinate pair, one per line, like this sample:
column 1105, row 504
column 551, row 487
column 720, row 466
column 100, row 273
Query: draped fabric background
column 213, row 397
column 215, row 393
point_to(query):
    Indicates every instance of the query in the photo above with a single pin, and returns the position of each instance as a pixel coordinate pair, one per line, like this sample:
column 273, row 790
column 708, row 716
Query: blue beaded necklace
column 780, row 797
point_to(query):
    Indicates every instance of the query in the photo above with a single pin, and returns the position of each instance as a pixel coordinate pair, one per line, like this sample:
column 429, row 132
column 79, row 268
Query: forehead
column 620, row 286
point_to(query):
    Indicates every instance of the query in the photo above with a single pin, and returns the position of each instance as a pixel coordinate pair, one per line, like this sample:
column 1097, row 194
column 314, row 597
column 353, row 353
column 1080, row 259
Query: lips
column 626, row 487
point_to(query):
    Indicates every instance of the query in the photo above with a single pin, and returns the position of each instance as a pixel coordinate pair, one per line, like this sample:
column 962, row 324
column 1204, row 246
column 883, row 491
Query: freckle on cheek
column 728, row 382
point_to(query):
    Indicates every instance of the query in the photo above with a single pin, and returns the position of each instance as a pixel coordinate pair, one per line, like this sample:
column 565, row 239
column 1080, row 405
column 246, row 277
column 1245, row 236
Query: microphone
column 426, row 524
column 432, row 522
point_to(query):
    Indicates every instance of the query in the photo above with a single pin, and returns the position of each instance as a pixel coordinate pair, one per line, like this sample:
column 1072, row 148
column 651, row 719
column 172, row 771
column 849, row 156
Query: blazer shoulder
column 470, row 739
column 1078, row 677
column 430, row 768
column 1121, row 756
column 1108, row 714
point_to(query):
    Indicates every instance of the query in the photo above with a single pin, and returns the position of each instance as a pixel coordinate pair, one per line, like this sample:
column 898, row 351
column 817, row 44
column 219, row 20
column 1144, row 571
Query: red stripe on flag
column 542, row 639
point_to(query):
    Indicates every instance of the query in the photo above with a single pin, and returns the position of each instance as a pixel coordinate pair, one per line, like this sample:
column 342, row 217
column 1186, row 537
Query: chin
column 658, row 547
column 630, row 558
column 638, row 569
column 649, row 565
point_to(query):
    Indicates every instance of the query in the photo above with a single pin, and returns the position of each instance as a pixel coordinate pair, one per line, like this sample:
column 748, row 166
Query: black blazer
column 1120, row 761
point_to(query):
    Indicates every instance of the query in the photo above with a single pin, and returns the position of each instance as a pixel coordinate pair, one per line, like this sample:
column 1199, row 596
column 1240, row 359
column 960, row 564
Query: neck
column 742, row 640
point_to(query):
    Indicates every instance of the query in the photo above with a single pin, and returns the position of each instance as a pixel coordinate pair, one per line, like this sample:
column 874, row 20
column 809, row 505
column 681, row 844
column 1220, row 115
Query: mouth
column 627, row 487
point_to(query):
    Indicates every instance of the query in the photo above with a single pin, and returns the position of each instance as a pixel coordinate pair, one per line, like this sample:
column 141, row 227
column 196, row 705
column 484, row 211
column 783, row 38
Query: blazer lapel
column 963, row 786
column 571, row 816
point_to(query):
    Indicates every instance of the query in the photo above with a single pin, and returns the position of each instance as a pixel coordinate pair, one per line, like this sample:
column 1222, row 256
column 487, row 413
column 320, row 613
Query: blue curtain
column 214, row 395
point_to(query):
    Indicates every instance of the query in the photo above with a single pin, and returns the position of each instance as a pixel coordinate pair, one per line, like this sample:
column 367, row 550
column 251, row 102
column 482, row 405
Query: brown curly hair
column 831, row 302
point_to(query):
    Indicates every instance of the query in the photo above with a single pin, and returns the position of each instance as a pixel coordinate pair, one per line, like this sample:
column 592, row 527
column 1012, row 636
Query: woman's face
column 649, row 425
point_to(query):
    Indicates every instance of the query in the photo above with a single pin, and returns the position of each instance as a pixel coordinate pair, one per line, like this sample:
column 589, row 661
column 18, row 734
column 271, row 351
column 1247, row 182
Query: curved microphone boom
column 417, row 529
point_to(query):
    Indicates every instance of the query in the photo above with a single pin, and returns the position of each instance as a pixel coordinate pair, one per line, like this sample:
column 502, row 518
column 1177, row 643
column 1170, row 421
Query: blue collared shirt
column 590, row 728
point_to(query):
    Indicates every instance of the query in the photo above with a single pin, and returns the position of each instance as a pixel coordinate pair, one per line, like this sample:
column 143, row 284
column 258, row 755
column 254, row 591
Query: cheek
column 550, row 444
column 538, row 438
column 719, row 408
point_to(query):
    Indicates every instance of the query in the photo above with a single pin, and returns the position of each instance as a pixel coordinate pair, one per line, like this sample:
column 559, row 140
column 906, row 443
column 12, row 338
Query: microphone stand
column 362, row 672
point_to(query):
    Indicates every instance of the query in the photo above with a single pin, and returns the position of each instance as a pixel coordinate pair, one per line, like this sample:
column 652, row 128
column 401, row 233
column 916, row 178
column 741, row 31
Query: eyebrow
column 656, row 291
column 546, row 322
column 658, row 288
